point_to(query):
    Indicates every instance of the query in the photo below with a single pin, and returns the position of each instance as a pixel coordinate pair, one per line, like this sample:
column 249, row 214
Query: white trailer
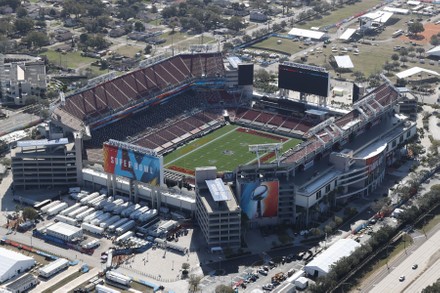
column 92, row 216
column 96, row 200
column 117, row 224
column 138, row 213
column 103, row 289
column 126, row 213
column 77, row 211
column 115, row 203
column 120, row 208
column 92, row 228
column 118, row 278
column 124, row 236
column 65, row 219
column 47, row 207
column 70, row 209
column 110, row 221
column 125, row 227
column 89, row 197
column 91, row 244
column 53, row 267
column 100, row 219
column 84, row 214
column 56, row 209
column 148, row 216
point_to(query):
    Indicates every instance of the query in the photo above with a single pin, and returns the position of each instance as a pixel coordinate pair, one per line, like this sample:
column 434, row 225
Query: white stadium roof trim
column 344, row 61
column 415, row 70
column 303, row 33
column 322, row 263
column 347, row 34
column 378, row 16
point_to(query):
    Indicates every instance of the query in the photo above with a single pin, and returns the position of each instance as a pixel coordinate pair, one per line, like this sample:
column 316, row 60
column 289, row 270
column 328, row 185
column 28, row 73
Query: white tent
column 13, row 263
column 378, row 16
column 344, row 61
column 310, row 34
column 347, row 34
column 414, row 71
column 320, row 265
column 434, row 52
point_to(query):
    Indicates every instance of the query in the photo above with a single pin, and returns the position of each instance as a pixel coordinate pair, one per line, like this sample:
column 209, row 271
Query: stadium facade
column 175, row 100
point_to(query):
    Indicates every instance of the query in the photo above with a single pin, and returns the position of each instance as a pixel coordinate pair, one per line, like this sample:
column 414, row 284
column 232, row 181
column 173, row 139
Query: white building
column 64, row 231
column 13, row 263
column 320, row 265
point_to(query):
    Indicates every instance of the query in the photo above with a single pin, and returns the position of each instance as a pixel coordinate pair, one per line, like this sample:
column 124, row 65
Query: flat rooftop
column 213, row 206
column 64, row 229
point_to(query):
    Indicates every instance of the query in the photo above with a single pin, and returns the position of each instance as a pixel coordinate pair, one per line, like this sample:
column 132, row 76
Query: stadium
column 195, row 110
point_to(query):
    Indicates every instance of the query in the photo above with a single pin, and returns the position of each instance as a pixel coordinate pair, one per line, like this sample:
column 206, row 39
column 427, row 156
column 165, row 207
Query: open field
column 286, row 45
column 69, row 59
column 129, row 50
column 341, row 13
column 225, row 148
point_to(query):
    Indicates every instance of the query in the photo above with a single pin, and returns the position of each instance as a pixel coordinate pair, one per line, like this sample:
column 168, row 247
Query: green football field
column 225, row 148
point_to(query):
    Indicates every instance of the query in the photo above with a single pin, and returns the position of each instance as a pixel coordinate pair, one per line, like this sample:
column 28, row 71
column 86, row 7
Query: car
column 266, row 268
column 415, row 266
column 263, row 272
column 402, row 278
column 268, row 287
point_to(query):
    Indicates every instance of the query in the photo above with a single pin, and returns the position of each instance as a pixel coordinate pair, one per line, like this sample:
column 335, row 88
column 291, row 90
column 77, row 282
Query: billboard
column 246, row 74
column 304, row 79
column 132, row 164
column 260, row 199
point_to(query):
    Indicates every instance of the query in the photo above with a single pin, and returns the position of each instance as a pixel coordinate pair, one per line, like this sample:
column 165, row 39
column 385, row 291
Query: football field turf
column 225, row 148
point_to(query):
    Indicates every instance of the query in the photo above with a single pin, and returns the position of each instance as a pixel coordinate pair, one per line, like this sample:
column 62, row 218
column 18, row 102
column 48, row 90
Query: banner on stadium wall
column 260, row 199
column 132, row 164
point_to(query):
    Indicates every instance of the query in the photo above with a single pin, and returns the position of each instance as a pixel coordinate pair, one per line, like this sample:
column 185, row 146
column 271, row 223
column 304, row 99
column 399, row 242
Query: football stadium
column 185, row 120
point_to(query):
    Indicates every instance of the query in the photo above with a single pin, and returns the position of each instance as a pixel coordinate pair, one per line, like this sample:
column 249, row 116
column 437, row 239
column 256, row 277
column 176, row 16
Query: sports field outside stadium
column 225, row 148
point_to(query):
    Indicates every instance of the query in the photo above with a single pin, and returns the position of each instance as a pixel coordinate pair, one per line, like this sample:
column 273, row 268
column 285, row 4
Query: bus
column 398, row 33
column 39, row 205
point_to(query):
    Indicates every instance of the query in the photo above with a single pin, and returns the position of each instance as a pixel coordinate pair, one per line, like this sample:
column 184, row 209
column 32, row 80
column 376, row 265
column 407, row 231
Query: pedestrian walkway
column 78, row 281
column 44, row 285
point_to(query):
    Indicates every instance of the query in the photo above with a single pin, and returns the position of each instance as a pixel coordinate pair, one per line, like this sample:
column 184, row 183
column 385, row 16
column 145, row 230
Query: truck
column 138, row 213
column 70, row 209
column 109, row 221
column 148, row 216
column 77, row 211
column 91, row 244
column 116, row 203
column 52, row 268
column 118, row 278
column 117, row 224
column 96, row 200
column 92, row 228
column 88, row 198
column 56, row 209
column 125, row 227
column 84, row 214
column 47, row 207
column 120, row 208
column 301, row 283
column 92, row 216
column 66, row 219
column 124, row 236
column 100, row 219
column 126, row 213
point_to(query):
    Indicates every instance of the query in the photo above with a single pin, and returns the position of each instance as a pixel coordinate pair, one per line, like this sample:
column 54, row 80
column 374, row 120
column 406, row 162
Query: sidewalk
column 78, row 281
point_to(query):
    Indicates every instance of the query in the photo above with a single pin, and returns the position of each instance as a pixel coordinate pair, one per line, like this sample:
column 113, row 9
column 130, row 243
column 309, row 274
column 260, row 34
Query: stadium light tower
column 259, row 149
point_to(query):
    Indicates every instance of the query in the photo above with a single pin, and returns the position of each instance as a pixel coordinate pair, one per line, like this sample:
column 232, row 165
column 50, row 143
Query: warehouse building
column 13, row 264
column 321, row 265
column 64, row 231
column 23, row 284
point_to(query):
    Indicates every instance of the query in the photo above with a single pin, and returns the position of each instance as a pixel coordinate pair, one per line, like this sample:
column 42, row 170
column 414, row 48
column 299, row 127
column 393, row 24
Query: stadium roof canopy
column 219, row 191
column 414, row 71
column 378, row 16
column 344, row 61
column 11, row 262
column 396, row 10
column 303, row 33
column 42, row 142
column 347, row 34
column 321, row 264
column 434, row 51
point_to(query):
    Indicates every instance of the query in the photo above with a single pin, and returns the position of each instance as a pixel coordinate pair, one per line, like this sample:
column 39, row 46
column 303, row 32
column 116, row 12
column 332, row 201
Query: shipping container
column 92, row 228
column 65, row 219
column 70, row 209
column 124, row 228
column 56, row 209
column 109, row 221
column 48, row 206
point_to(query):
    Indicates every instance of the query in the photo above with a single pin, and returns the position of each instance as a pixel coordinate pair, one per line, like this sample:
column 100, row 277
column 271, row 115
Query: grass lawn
column 226, row 148
column 286, row 45
column 129, row 50
column 341, row 13
column 69, row 60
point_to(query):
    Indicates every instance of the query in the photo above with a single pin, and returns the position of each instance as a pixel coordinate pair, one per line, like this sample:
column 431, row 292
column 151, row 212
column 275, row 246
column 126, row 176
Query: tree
column 139, row 26
column 36, row 39
column 29, row 214
column 420, row 51
column 194, row 281
column 224, row 289
column 148, row 49
column 394, row 57
column 416, row 28
column 435, row 40
column 359, row 76
column 23, row 25
column 388, row 67
column 403, row 59
column 21, row 12
column 235, row 24
column 247, row 38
